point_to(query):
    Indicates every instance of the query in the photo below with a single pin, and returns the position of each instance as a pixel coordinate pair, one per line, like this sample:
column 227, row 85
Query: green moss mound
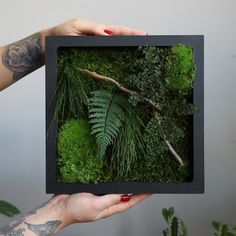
column 180, row 68
column 78, row 155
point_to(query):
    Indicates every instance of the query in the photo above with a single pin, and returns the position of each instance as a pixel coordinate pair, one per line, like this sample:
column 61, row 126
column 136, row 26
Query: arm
column 63, row 210
column 23, row 57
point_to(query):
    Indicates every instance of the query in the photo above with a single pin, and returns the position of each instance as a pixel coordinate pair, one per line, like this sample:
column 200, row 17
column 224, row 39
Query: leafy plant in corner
column 222, row 229
column 8, row 209
column 176, row 226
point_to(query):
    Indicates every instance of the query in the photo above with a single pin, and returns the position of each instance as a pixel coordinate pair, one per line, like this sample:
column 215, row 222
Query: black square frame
column 53, row 43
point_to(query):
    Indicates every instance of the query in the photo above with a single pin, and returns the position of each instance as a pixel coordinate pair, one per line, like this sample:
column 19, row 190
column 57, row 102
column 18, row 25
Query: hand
column 86, row 207
column 80, row 27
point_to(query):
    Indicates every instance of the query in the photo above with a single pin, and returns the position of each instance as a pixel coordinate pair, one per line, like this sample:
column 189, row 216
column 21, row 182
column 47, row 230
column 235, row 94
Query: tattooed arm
column 23, row 57
column 63, row 210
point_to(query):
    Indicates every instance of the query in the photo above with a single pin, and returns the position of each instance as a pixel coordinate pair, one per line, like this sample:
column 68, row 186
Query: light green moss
column 78, row 155
column 180, row 69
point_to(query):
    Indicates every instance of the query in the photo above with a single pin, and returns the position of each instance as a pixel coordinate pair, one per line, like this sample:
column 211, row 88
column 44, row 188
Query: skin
column 16, row 61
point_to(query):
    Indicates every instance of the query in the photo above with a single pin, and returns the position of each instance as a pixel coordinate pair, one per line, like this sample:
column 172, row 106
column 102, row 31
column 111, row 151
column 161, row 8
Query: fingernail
column 124, row 198
column 108, row 31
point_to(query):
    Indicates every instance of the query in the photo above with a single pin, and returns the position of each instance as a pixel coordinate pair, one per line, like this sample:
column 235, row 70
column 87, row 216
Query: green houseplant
column 7, row 209
column 176, row 226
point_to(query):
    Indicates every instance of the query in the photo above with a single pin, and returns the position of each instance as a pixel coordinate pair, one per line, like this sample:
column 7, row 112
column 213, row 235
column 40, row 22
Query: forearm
column 21, row 58
column 46, row 220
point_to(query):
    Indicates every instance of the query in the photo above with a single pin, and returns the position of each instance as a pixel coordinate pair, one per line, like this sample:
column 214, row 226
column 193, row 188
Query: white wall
column 22, row 143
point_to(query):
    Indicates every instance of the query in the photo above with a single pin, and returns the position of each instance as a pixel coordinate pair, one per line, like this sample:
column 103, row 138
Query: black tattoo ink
column 46, row 229
column 24, row 56
column 15, row 232
column 9, row 230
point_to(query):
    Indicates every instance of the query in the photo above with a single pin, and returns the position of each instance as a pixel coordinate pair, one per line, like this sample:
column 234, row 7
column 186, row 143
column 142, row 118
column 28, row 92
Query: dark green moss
column 78, row 155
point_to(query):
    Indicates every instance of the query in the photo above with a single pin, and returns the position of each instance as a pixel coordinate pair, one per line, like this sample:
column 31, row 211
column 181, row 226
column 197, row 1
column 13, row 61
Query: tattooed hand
column 63, row 210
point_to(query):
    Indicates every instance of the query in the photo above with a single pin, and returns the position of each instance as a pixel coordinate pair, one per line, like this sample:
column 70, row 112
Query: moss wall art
column 125, row 114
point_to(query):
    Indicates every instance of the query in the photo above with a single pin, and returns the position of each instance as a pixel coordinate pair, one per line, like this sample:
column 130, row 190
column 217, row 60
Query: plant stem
column 122, row 88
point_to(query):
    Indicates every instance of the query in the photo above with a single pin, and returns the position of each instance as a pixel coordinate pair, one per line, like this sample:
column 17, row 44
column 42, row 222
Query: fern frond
column 106, row 114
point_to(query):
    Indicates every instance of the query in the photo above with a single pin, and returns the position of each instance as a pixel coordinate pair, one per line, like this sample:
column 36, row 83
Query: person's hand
column 80, row 27
column 86, row 207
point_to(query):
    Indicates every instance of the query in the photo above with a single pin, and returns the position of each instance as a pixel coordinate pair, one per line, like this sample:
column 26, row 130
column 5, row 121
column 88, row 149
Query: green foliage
column 106, row 114
column 175, row 226
column 72, row 89
column 8, row 209
column 78, row 155
column 128, row 133
column 158, row 165
column 180, row 69
column 146, row 79
column 172, row 122
column 221, row 229
column 129, row 147
column 114, row 62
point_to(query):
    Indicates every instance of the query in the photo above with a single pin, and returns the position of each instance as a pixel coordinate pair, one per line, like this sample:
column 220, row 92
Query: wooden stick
column 174, row 153
column 117, row 84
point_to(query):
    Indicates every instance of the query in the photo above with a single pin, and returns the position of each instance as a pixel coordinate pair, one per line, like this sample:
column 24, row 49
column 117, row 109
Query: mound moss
column 180, row 68
column 78, row 155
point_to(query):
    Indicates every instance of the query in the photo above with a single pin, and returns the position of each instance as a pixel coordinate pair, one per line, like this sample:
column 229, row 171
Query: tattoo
column 46, row 229
column 9, row 230
column 23, row 56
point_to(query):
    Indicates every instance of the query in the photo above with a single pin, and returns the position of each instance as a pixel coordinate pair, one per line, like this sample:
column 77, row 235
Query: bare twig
column 174, row 153
column 124, row 89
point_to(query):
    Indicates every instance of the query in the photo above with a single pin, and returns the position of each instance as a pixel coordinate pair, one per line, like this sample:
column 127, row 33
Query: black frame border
column 196, row 185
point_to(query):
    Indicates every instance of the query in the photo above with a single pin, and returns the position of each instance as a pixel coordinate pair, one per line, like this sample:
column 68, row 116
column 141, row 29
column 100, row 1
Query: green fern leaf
column 106, row 114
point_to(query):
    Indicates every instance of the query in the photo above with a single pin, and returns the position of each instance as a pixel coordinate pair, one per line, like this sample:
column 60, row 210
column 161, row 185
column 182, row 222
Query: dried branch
column 118, row 85
column 174, row 153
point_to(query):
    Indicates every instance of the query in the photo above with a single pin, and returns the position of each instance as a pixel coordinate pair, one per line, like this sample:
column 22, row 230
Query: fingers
column 108, row 200
column 123, row 30
column 121, row 206
column 86, row 27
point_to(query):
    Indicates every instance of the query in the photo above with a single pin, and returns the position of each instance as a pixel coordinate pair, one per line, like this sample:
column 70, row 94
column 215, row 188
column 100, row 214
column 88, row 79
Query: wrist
column 53, row 211
column 44, row 34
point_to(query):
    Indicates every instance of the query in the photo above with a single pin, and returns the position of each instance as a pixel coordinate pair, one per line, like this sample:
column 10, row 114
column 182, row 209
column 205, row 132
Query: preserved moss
column 138, row 152
column 78, row 155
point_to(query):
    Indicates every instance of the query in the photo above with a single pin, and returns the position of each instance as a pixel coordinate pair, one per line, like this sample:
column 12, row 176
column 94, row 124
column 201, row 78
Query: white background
column 22, row 115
